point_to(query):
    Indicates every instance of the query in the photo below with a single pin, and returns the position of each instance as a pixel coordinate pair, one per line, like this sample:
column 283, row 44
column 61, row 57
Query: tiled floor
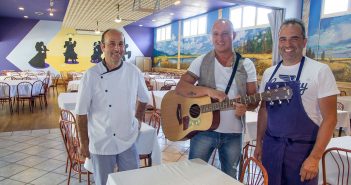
column 39, row 157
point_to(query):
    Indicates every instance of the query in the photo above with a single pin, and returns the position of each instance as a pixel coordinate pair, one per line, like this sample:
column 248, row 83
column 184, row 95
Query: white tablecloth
column 146, row 142
column 159, row 82
column 251, row 126
column 24, row 90
column 158, row 98
column 331, row 172
column 346, row 101
column 188, row 172
column 73, row 85
column 343, row 120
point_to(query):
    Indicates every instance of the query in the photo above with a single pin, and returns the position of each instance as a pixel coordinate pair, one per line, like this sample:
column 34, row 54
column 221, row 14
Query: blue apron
column 289, row 137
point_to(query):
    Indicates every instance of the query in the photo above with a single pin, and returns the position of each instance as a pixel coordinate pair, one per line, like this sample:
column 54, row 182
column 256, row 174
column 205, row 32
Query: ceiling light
column 21, row 8
column 140, row 25
column 176, row 2
column 26, row 17
column 153, row 20
column 51, row 14
column 118, row 19
column 97, row 31
column 171, row 13
column 38, row 13
column 51, row 10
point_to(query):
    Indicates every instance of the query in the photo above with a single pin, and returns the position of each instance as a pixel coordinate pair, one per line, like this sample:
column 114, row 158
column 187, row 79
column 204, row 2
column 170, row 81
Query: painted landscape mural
column 332, row 45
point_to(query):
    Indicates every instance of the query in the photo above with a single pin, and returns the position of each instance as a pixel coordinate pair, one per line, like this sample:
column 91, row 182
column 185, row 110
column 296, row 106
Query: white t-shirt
column 317, row 81
column 109, row 100
column 229, row 123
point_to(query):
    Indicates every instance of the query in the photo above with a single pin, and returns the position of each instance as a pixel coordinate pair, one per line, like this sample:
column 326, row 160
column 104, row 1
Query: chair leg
column 66, row 165
column 88, row 177
column 69, row 174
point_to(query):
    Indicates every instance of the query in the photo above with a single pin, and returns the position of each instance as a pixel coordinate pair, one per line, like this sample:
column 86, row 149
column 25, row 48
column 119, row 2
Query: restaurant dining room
column 136, row 85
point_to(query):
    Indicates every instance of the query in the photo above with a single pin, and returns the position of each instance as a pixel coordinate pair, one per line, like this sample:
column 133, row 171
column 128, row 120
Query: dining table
column 186, row 172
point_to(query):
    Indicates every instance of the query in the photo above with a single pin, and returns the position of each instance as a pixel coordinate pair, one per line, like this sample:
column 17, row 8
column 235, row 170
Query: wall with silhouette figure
column 38, row 61
column 47, row 46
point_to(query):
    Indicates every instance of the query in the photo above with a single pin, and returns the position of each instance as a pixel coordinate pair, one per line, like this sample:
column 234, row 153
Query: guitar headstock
column 282, row 93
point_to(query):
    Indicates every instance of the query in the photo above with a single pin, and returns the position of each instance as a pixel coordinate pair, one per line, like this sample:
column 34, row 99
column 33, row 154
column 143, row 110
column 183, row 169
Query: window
column 331, row 8
column 249, row 17
column 163, row 33
column 195, row 26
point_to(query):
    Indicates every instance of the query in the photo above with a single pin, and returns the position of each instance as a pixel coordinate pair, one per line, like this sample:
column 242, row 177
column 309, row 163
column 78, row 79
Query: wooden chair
column 343, row 93
column 5, row 95
column 340, row 158
column 155, row 122
column 44, row 89
column 24, row 93
column 253, row 172
column 166, row 87
column 55, row 79
column 36, row 90
column 339, row 106
column 68, row 128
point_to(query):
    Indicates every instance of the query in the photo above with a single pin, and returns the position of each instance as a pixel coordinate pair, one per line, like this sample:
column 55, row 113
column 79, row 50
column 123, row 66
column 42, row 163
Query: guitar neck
column 229, row 103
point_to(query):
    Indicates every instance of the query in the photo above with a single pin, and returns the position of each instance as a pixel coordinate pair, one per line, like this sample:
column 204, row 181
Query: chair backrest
column 248, row 151
column 69, row 134
column 253, row 173
column 339, row 106
column 37, row 85
column 155, row 121
column 24, row 89
column 338, row 158
column 166, row 87
column 343, row 93
column 4, row 90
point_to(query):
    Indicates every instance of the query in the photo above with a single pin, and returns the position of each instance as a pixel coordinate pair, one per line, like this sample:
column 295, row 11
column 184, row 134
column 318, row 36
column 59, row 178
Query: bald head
column 223, row 23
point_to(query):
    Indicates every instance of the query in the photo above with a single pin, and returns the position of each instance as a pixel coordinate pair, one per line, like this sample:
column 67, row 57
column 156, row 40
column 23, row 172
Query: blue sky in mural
column 242, row 36
column 196, row 45
column 334, row 37
column 169, row 48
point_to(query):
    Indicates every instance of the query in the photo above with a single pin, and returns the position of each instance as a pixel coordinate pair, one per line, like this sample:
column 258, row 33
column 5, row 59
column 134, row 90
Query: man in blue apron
column 292, row 135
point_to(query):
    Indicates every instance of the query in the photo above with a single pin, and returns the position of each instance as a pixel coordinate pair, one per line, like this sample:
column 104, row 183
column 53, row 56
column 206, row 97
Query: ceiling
column 84, row 14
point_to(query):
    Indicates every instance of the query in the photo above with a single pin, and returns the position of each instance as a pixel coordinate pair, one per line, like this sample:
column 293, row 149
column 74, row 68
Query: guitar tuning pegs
column 269, row 88
column 271, row 103
column 280, row 102
column 277, row 86
column 288, row 100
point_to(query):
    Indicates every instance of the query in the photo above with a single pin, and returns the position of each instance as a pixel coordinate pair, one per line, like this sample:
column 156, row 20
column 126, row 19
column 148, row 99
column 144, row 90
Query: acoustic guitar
column 183, row 117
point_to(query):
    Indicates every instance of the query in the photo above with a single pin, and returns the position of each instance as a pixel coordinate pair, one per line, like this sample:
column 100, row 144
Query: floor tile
column 4, row 163
column 49, row 165
column 35, row 150
column 23, row 132
column 5, row 134
column 11, row 182
column 32, row 161
column 14, row 157
column 50, row 153
column 11, row 169
column 28, row 175
column 5, row 152
column 5, row 144
column 19, row 146
column 49, row 178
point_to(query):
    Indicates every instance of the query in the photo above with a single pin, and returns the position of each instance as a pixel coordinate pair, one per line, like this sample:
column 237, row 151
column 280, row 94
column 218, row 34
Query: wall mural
column 166, row 52
column 52, row 48
column 255, row 44
column 329, row 41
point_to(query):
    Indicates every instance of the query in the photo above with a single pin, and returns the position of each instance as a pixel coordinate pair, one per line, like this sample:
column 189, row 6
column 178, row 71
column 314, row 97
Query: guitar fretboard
column 282, row 93
column 229, row 103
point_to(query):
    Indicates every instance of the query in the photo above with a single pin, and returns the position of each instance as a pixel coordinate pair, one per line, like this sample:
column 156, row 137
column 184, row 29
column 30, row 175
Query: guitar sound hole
column 195, row 111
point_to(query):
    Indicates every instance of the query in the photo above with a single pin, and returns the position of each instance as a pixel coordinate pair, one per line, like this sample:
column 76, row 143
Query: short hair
column 103, row 34
column 295, row 21
column 224, row 21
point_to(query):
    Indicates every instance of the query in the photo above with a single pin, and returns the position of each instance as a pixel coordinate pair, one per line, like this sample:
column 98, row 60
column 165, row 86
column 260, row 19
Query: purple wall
column 143, row 38
column 12, row 31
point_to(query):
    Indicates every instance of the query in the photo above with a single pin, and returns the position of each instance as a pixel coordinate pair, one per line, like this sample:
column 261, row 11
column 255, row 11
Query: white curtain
column 276, row 18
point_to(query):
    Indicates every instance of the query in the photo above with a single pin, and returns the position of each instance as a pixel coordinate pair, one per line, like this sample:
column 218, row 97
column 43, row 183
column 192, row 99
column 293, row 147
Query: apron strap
column 298, row 73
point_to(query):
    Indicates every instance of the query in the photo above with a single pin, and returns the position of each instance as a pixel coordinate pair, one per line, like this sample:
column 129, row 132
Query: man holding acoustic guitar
column 292, row 135
column 221, row 74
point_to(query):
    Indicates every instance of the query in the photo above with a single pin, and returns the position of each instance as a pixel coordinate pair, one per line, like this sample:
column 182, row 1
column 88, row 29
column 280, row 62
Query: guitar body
column 182, row 117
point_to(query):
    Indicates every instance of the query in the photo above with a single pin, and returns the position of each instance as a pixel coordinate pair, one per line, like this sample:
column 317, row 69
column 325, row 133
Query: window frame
column 242, row 17
column 163, row 29
column 347, row 12
column 197, row 19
